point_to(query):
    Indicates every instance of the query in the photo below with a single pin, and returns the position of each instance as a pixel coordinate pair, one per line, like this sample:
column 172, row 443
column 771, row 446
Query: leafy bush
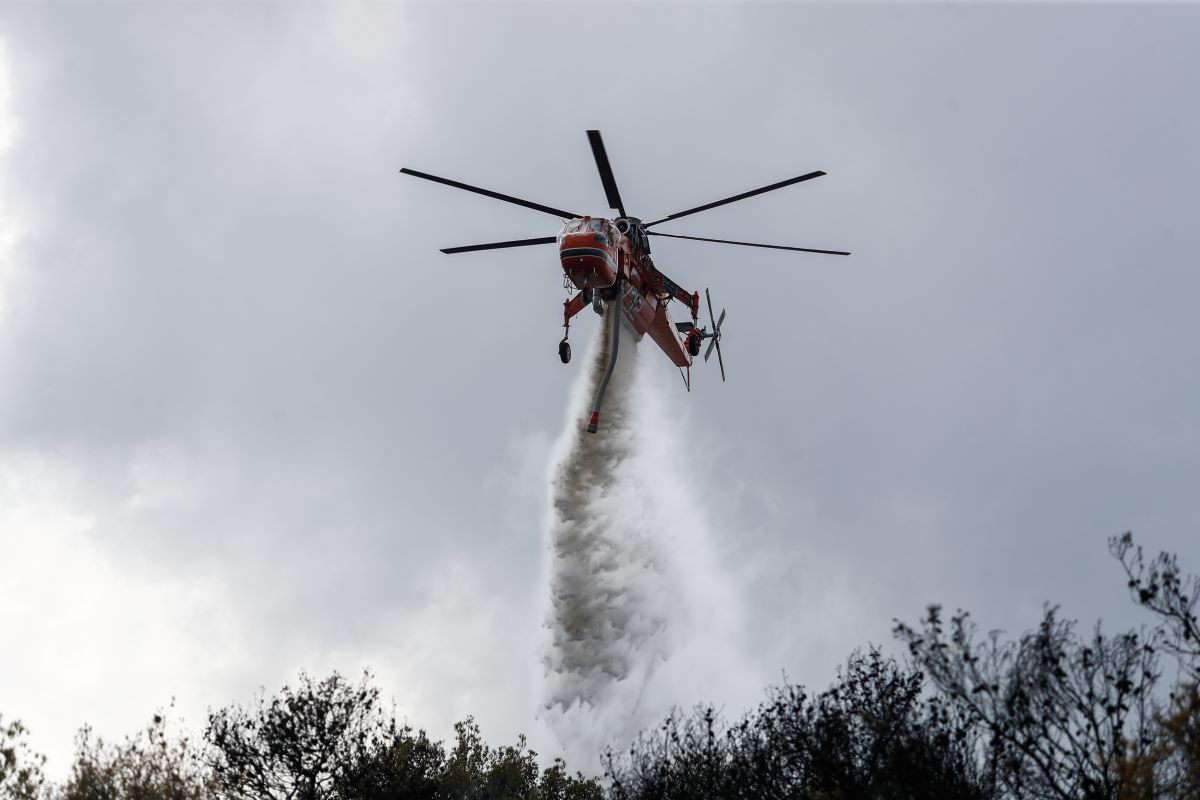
column 1055, row 713
column 21, row 775
column 152, row 765
column 872, row 735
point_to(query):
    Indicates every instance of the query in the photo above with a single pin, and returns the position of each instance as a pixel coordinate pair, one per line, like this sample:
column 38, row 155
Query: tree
column 1179, row 735
column 297, row 746
column 329, row 740
column 1172, row 767
column 398, row 764
column 1161, row 588
column 876, row 734
column 152, row 765
column 872, row 735
column 402, row 765
column 21, row 776
column 1062, row 716
column 474, row 771
column 558, row 784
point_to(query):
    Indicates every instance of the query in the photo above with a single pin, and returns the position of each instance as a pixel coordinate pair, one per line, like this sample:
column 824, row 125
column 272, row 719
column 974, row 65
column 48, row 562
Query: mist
column 640, row 618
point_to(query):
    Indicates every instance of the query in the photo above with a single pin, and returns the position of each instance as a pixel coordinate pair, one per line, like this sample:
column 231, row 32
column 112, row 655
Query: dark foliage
column 329, row 740
column 1176, row 767
column 298, row 744
column 150, row 766
column 1059, row 712
column 402, row 765
column 21, row 775
column 1053, row 714
column 1171, row 768
column 872, row 735
column 399, row 764
column 1161, row 588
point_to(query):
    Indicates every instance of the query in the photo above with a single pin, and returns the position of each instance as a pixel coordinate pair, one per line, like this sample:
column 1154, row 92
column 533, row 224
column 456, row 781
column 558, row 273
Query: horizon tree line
column 1060, row 712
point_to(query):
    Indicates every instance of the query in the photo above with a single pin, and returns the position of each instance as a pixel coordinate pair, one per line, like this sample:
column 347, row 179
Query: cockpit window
column 600, row 226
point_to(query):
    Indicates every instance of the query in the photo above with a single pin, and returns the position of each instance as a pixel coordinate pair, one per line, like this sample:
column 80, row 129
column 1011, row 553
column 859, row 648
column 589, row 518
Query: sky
column 253, row 422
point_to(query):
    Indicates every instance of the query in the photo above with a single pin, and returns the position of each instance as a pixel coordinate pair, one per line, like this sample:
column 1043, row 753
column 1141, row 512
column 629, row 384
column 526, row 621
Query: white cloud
column 88, row 638
column 244, row 400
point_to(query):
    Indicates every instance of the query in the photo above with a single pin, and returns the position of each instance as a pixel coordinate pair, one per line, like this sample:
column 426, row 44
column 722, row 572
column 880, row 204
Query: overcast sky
column 251, row 421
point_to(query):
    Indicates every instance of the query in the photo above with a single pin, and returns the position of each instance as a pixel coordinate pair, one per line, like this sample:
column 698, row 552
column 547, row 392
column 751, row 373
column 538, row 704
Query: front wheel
column 564, row 351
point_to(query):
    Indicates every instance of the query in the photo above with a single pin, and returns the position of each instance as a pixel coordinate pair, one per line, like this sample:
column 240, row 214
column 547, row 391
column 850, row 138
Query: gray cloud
column 235, row 370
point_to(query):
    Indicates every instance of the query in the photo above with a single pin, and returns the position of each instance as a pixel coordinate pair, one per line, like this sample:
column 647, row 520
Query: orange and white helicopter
column 608, row 261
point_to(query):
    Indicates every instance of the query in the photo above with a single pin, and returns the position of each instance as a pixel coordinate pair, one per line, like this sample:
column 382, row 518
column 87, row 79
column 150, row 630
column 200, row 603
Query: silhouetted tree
column 1053, row 714
column 872, row 735
column 398, row 764
column 401, row 765
column 1061, row 714
column 475, row 771
column 876, row 734
column 1179, row 735
column 329, row 740
column 558, row 784
column 150, row 766
column 296, row 746
column 21, row 776
column 1174, row 598
column 1172, row 767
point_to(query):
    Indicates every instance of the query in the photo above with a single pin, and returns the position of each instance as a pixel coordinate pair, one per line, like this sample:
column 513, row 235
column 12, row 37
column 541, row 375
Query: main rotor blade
column 499, row 245
column 606, row 173
column 750, row 244
column 737, row 197
column 558, row 212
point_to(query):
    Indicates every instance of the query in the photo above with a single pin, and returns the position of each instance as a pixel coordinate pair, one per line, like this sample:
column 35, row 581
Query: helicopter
column 607, row 262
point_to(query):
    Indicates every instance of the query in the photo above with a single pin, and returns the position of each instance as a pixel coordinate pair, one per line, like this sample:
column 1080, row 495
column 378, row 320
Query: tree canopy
column 1060, row 712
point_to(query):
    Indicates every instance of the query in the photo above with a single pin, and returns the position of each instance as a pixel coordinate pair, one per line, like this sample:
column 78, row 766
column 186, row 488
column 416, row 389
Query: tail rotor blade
column 716, row 333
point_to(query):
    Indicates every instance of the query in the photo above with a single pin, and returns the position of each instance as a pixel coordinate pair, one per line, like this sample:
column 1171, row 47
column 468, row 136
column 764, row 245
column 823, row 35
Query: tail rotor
column 715, row 335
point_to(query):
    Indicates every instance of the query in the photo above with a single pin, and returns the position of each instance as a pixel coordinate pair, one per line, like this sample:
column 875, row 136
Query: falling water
column 631, row 579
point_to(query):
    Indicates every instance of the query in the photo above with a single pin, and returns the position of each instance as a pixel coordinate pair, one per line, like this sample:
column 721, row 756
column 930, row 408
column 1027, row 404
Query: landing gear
column 693, row 342
column 564, row 351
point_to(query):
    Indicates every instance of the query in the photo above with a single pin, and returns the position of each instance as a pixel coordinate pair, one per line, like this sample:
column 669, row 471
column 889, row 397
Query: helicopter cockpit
column 602, row 229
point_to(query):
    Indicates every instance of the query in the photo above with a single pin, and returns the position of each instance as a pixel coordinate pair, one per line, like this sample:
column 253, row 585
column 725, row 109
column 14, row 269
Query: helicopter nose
column 588, row 265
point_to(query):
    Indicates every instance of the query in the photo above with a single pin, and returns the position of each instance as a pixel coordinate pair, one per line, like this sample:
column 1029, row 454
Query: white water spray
column 639, row 620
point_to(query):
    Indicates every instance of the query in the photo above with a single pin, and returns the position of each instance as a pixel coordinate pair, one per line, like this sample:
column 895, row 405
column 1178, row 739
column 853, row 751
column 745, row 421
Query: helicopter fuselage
column 598, row 256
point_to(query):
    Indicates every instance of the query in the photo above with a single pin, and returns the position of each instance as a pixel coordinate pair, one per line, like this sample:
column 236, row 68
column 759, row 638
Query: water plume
column 634, row 595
